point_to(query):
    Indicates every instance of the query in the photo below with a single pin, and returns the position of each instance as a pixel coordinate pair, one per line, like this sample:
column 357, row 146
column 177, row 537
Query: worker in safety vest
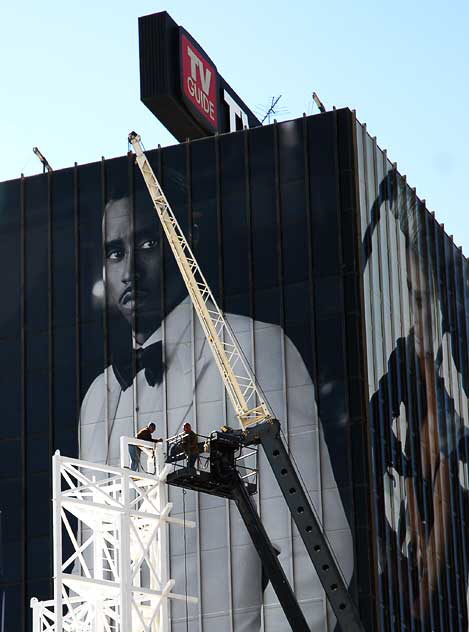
column 143, row 434
column 190, row 445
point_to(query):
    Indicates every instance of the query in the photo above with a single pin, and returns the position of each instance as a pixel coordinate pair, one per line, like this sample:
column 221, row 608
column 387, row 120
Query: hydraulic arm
column 259, row 427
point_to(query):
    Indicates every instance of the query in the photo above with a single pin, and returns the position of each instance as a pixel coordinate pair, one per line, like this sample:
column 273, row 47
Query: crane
column 258, row 427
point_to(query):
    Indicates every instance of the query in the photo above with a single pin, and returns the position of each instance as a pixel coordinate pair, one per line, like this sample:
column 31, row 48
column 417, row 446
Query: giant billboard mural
column 416, row 298
column 100, row 339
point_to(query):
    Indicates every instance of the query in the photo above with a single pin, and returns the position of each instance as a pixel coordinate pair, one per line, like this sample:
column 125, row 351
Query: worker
column 144, row 434
column 190, row 445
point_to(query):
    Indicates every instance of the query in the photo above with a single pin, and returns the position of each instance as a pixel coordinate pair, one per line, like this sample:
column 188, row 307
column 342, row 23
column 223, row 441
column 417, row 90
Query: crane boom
column 245, row 394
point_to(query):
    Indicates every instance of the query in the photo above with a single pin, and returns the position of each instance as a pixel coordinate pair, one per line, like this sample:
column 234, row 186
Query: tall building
column 349, row 300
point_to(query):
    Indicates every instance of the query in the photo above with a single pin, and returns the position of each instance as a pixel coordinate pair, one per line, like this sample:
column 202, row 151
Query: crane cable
column 185, row 556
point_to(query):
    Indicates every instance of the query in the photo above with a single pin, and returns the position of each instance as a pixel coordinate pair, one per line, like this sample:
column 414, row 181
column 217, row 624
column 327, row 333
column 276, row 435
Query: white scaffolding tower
column 117, row 577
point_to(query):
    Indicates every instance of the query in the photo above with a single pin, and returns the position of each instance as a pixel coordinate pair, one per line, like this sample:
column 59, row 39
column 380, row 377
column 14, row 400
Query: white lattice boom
column 117, row 577
column 245, row 394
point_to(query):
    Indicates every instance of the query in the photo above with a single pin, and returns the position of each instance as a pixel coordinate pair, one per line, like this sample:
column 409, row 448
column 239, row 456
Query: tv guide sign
column 199, row 82
column 181, row 85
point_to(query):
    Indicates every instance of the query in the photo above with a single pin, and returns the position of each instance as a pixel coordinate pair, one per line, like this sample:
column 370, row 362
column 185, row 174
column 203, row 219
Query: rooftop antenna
column 272, row 109
column 43, row 159
column 319, row 103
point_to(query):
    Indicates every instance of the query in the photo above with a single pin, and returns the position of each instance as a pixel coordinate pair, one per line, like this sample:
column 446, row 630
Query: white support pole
column 160, row 548
column 124, row 559
column 57, row 539
column 36, row 614
column 98, row 561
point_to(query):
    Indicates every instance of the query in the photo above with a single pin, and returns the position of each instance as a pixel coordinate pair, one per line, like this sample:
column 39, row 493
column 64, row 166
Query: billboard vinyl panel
column 415, row 283
column 272, row 217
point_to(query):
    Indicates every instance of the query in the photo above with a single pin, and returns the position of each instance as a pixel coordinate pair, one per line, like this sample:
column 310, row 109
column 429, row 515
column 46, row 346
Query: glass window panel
column 384, row 259
column 10, row 396
column 330, row 358
column 174, row 183
column 90, row 196
column 234, row 214
column 295, row 234
column 394, row 256
column 361, row 179
column 64, row 346
column 14, row 607
column 323, row 195
column 263, row 206
column 237, row 304
column 63, row 246
column 64, row 397
column 66, row 441
column 11, row 507
column 9, row 355
column 10, row 207
column 267, row 305
column 38, row 453
column 63, row 273
column 328, row 296
column 87, row 374
column 38, row 498
column 92, row 345
column 37, row 401
column 90, row 269
column 39, row 557
column 296, row 305
column 10, row 459
column 117, row 178
column 204, row 211
column 290, row 138
column 366, row 228
column 12, row 557
column 63, row 198
column 402, row 210
column 264, row 231
column 375, row 280
column 37, row 351
column 36, row 252
column 36, row 298
column 42, row 590
column 10, row 262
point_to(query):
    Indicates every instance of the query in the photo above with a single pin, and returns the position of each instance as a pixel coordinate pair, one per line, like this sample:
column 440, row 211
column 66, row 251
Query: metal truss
column 246, row 395
column 117, row 576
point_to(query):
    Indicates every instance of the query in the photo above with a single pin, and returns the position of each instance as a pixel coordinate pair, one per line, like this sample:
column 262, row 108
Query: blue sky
column 70, row 81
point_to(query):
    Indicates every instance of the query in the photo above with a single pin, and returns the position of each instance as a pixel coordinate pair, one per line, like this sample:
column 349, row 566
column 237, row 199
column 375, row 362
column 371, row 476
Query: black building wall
column 272, row 213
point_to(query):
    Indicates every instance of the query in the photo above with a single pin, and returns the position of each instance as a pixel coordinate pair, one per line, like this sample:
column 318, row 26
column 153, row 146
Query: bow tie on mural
column 148, row 358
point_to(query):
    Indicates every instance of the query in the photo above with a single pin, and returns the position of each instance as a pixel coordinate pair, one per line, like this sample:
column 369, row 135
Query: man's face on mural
column 132, row 257
column 422, row 304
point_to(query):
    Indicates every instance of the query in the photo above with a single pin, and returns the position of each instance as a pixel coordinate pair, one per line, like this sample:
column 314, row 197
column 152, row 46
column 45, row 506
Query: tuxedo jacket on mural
column 189, row 388
column 398, row 410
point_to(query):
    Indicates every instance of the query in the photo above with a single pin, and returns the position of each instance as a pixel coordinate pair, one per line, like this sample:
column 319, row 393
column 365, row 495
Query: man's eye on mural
column 418, row 299
column 147, row 244
column 114, row 253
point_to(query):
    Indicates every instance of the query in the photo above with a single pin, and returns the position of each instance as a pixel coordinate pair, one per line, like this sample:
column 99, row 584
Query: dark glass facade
column 350, row 302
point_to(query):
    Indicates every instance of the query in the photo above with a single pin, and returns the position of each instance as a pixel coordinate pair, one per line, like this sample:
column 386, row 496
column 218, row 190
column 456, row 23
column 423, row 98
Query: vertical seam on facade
column 311, row 271
column 23, row 531
column 281, row 268
column 107, row 420
column 189, row 217
column 224, row 400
